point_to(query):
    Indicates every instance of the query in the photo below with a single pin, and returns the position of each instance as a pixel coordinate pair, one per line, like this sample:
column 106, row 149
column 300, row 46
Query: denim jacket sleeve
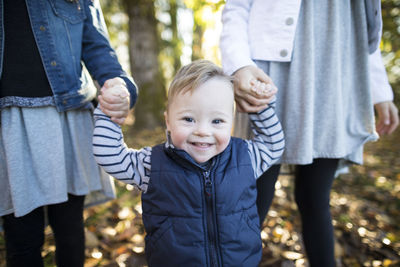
column 99, row 58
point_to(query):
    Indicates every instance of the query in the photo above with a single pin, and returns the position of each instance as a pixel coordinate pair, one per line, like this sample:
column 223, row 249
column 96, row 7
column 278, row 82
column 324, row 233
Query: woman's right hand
column 254, row 89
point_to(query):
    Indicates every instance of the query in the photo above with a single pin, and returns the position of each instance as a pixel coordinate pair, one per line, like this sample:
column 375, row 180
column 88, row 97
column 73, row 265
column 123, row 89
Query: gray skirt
column 324, row 98
column 44, row 156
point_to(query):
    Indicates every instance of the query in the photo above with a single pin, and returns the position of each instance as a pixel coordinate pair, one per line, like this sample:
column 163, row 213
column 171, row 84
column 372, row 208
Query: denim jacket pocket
column 71, row 11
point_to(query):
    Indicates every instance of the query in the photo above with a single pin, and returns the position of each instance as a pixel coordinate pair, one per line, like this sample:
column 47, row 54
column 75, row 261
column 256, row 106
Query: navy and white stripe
column 133, row 166
column 268, row 142
column 125, row 164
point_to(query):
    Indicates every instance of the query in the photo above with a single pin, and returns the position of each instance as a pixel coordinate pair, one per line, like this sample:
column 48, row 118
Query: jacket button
column 283, row 53
column 42, row 28
column 53, row 63
column 289, row 21
column 64, row 102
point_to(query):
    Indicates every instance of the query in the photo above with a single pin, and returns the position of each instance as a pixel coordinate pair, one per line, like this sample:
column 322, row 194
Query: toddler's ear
column 166, row 119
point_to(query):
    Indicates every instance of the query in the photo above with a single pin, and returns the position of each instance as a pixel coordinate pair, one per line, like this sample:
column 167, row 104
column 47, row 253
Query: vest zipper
column 208, row 189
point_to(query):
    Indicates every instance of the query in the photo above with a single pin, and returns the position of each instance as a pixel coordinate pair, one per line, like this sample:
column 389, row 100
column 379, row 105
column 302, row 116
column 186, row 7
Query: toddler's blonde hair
column 191, row 76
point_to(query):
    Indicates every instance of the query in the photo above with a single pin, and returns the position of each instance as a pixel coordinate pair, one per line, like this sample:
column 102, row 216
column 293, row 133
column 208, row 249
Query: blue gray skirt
column 324, row 100
column 44, row 155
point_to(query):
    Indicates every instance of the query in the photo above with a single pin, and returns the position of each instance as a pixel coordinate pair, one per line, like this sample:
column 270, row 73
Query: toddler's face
column 200, row 121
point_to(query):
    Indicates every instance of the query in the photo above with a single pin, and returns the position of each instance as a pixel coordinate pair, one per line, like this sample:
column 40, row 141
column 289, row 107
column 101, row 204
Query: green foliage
column 171, row 46
column 116, row 20
column 391, row 43
column 172, row 42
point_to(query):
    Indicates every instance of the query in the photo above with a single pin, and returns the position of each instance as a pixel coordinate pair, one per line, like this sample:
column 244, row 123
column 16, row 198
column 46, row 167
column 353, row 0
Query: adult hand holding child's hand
column 254, row 89
column 114, row 100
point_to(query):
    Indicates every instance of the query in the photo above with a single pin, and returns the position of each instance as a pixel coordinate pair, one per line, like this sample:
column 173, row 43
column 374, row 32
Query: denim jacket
column 71, row 34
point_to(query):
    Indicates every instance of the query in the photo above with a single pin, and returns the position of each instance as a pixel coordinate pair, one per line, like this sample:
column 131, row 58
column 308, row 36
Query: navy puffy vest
column 196, row 216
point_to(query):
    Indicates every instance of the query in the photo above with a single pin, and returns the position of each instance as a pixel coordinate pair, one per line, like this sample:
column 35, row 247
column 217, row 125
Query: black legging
column 313, row 184
column 24, row 235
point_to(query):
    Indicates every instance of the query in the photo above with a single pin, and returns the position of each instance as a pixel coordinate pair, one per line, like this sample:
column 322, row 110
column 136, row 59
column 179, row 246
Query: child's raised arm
column 127, row 165
column 268, row 143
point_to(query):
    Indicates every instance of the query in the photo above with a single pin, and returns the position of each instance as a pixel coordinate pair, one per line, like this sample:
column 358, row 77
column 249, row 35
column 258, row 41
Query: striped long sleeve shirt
column 133, row 166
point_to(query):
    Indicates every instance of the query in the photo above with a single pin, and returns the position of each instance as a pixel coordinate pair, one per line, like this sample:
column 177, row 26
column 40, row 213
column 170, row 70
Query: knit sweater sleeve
column 128, row 165
column 268, row 143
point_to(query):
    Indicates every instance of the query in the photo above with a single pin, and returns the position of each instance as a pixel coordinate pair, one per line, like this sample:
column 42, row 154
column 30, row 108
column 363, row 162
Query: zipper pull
column 207, row 183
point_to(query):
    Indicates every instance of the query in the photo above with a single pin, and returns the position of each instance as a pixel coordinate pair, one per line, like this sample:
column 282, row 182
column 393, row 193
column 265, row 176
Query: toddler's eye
column 188, row 119
column 217, row 121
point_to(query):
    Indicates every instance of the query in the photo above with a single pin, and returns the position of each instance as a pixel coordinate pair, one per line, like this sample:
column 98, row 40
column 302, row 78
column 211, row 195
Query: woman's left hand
column 388, row 117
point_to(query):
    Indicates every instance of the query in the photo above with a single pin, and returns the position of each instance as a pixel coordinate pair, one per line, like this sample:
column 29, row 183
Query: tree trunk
column 176, row 42
column 143, row 52
column 198, row 32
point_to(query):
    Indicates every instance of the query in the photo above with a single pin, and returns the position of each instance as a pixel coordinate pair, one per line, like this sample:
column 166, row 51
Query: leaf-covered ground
column 365, row 207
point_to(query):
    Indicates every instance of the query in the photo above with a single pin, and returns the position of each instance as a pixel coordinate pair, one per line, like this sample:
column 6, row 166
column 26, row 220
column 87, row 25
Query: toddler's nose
column 202, row 130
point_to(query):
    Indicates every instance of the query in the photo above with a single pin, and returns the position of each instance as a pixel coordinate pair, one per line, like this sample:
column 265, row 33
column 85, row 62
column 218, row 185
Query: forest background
column 153, row 38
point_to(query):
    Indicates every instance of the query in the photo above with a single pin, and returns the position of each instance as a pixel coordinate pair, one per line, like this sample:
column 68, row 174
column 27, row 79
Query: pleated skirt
column 46, row 155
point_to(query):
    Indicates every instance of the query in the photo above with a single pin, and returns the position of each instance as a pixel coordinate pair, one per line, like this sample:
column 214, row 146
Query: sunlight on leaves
column 121, row 259
column 290, row 255
column 137, row 239
column 129, row 187
column 124, row 213
column 362, row 231
column 277, row 232
column 264, row 235
column 97, row 254
column 386, row 241
column 300, row 263
column 272, row 213
column 387, row 262
column 138, row 249
column 110, row 231
column 138, row 208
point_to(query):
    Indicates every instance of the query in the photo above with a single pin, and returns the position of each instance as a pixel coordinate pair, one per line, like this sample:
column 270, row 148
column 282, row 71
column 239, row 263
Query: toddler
column 199, row 187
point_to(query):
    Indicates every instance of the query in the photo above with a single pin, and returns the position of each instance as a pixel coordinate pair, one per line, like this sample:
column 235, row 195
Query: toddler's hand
column 253, row 89
column 114, row 100
column 263, row 90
